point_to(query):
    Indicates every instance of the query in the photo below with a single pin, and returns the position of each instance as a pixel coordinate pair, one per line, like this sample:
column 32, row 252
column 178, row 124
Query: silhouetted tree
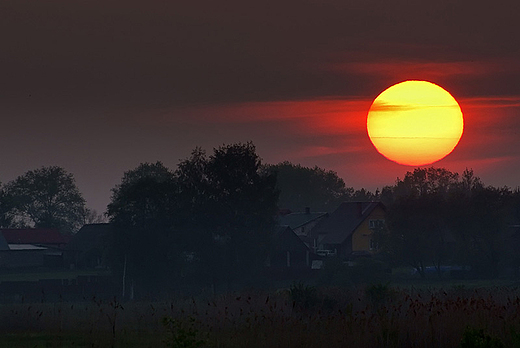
column 47, row 197
column 479, row 218
column 156, row 170
column 423, row 181
column 419, row 231
column 234, row 201
column 6, row 209
column 418, row 218
column 213, row 216
column 437, row 217
column 317, row 188
column 91, row 216
column 142, row 214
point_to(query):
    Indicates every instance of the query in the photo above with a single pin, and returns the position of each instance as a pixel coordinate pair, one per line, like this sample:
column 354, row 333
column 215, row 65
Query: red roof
column 33, row 236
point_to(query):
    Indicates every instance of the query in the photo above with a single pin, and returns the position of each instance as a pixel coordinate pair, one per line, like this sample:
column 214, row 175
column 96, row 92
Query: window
column 373, row 244
column 375, row 223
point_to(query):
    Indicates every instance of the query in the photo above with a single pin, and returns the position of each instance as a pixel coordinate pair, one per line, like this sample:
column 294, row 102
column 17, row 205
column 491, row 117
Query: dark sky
column 98, row 87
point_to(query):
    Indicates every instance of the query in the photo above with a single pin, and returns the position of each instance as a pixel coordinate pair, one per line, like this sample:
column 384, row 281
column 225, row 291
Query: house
column 88, row 247
column 20, row 255
column 349, row 230
column 43, row 237
column 288, row 251
column 32, row 247
column 302, row 223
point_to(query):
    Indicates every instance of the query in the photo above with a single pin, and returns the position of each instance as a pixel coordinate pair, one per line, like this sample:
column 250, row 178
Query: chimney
column 359, row 208
column 307, row 210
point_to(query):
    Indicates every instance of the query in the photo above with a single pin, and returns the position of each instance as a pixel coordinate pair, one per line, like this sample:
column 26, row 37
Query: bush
column 473, row 338
column 379, row 294
column 303, row 296
column 181, row 334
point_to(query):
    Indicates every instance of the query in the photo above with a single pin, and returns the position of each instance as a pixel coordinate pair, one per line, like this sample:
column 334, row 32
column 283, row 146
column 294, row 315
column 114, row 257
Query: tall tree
column 48, row 197
column 141, row 212
column 234, row 201
column 158, row 171
column 418, row 228
column 480, row 218
column 418, row 217
column 317, row 188
column 213, row 215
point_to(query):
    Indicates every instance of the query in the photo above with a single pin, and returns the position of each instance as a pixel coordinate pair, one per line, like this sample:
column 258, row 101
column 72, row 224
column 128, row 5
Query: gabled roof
column 284, row 235
column 295, row 220
column 36, row 236
column 90, row 236
column 344, row 221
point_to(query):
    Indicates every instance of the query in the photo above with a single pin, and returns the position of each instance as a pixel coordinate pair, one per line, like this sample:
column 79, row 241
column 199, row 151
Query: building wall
column 21, row 258
column 363, row 234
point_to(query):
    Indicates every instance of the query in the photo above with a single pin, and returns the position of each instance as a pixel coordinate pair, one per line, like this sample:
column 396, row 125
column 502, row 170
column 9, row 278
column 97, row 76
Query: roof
column 35, row 236
column 295, row 220
column 284, row 235
column 344, row 221
column 25, row 247
column 90, row 236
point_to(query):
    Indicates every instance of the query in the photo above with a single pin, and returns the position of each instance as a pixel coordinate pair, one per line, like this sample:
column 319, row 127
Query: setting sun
column 415, row 123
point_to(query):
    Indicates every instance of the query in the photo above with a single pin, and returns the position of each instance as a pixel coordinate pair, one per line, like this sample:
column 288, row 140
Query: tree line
column 438, row 218
column 211, row 219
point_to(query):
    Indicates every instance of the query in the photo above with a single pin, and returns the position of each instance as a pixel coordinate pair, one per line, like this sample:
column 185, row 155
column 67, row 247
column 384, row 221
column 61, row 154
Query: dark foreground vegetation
column 298, row 316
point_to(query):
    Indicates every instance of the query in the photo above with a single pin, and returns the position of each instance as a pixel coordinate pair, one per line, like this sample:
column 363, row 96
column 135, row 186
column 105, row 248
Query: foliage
column 436, row 217
column 480, row 218
column 303, row 296
column 156, row 170
column 211, row 217
column 473, row 338
column 141, row 212
column 6, row 209
column 233, row 201
column 379, row 294
column 182, row 334
column 48, row 198
column 432, row 317
column 300, row 187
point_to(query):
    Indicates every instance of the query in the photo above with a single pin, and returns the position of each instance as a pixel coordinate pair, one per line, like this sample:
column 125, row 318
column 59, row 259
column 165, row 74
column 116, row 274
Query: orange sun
column 415, row 123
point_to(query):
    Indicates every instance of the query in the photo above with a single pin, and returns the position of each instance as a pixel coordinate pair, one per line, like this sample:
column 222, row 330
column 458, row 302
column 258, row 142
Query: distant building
column 44, row 237
column 302, row 223
column 349, row 230
column 31, row 247
column 88, row 248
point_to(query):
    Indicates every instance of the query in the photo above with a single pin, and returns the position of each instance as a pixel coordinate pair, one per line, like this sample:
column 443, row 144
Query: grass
column 378, row 315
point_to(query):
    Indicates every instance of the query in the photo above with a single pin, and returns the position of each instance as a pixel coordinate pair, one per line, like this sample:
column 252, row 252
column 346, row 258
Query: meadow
column 299, row 316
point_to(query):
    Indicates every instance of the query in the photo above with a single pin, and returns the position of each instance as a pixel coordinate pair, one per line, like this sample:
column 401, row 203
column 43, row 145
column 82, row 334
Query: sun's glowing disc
column 415, row 123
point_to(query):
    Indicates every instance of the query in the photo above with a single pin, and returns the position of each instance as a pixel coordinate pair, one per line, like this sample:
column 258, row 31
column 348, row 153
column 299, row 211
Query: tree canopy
column 301, row 187
column 437, row 217
column 47, row 197
column 214, row 213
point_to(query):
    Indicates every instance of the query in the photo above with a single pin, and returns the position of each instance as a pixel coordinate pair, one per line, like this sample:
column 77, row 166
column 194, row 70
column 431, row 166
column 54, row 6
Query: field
column 299, row 316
